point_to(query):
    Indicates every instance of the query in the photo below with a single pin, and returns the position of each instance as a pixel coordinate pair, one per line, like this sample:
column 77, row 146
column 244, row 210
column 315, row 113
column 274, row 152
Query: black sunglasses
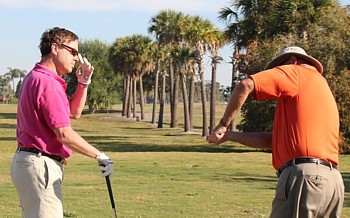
column 71, row 50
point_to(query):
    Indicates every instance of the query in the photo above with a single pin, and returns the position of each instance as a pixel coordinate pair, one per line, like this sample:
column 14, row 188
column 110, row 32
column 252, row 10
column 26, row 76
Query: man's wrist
column 224, row 123
column 82, row 85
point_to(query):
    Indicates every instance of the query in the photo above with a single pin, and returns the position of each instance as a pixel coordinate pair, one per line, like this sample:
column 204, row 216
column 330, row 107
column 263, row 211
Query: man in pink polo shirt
column 44, row 133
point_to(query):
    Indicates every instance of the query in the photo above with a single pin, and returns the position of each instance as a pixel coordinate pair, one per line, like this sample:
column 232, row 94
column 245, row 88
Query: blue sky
column 23, row 21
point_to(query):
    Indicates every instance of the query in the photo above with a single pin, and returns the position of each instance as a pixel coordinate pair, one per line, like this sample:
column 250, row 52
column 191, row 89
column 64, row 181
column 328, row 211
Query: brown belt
column 36, row 151
column 297, row 161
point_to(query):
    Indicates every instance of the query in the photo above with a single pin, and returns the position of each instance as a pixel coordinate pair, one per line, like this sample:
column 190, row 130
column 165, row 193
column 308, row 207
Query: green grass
column 158, row 172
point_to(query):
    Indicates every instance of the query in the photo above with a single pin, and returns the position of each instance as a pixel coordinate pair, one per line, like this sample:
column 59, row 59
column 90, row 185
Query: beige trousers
column 38, row 181
column 308, row 190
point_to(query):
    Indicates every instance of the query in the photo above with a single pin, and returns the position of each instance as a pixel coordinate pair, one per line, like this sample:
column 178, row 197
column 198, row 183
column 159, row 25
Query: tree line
column 6, row 91
column 171, row 57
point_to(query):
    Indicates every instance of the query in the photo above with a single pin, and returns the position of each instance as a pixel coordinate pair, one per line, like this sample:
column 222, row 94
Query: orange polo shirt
column 306, row 122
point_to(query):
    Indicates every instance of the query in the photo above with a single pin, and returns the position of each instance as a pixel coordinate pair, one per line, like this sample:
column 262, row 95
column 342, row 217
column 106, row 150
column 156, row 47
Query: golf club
column 110, row 192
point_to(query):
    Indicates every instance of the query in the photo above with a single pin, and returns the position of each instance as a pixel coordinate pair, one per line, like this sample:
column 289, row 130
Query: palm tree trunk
column 234, row 80
column 191, row 100
column 13, row 86
column 134, row 96
column 162, row 101
column 205, row 131
column 171, row 78
column 176, row 99
column 128, row 114
column 185, row 102
column 126, row 95
column 155, row 95
column 142, row 100
column 213, row 97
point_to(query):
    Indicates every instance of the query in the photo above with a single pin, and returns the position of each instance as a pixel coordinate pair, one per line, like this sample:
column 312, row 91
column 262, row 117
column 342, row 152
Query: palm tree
column 159, row 70
column 166, row 28
column 130, row 56
column 5, row 87
column 217, row 41
column 249, row 20
column 22, row 74
column 116, row 58
column 141, row 64
column 183, row 58
column 245, row 21
column 198, row 33
column 295, row 16
column 156, row 54
column 13, row 73
column 162, row 98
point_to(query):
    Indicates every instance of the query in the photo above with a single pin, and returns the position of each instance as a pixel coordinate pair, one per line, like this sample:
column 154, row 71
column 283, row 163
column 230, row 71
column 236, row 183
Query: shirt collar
column 40, row 68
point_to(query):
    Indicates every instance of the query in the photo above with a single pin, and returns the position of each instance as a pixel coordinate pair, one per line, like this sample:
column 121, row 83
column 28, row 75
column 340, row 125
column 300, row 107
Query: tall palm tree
column 295, row 16
column 5, row 87
column 217, row 41
column 244, row 20
column 166, row 28
column 162, row 99
column 13, row 73
column 249, row 20
column 117, row 60
column 155, row 53
column 142, row 64
column 198, row 33
column 183, row 58
column 22, row 74
column 130, row 56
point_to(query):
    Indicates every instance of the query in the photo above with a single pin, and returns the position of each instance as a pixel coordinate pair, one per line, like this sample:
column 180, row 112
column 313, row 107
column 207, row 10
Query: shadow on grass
column 8, row 115
column 251, row 178
column 346, row 179
column 102, row 112
column 8, row 126
column 8, row 139
column 122, row 146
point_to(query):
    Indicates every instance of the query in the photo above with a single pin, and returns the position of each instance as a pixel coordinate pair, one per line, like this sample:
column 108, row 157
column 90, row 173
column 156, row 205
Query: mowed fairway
column 158, row 172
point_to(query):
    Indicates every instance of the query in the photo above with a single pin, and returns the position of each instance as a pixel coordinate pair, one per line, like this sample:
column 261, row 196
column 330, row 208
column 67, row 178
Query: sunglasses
column 71, row 50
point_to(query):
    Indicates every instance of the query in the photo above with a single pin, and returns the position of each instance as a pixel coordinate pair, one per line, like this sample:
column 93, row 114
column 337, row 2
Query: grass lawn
column 158, row 172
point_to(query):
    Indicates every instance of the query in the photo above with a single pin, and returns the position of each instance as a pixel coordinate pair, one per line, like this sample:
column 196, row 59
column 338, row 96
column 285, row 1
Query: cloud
column 198, row 6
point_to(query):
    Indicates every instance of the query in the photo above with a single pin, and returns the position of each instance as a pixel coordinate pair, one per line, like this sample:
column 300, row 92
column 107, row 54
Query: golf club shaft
column 110, row 192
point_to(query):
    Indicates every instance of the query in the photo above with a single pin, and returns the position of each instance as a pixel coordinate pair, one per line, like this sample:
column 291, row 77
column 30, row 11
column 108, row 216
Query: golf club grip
column 110, row 191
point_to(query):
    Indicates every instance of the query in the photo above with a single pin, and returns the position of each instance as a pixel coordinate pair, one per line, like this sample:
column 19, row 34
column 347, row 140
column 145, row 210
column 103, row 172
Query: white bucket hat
column 286, row 53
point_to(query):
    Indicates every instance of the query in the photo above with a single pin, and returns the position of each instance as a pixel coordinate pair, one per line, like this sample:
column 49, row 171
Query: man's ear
column 293, row 59
column 54, row 48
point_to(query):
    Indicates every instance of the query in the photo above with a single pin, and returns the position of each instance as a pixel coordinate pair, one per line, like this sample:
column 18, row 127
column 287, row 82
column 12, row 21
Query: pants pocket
column 46, row 175
column 282, row 188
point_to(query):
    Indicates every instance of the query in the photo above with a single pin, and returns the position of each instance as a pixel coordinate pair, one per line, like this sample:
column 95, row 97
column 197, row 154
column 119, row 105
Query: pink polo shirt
column 43, row 106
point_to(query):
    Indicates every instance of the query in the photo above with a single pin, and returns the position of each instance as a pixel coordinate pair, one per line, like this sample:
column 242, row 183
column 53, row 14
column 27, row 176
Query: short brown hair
column 55, row 35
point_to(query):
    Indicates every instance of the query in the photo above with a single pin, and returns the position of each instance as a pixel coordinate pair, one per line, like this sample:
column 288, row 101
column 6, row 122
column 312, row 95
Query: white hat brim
column 277, row 61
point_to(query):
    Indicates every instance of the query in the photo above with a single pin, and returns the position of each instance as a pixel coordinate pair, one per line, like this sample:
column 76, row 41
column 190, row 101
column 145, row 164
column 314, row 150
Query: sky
column 23, row 21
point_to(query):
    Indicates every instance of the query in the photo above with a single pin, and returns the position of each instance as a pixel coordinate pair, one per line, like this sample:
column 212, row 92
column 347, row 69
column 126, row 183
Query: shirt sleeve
column 55, row 107
column 279, row 82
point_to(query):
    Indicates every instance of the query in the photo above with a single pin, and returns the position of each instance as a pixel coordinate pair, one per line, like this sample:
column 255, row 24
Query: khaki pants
column 38, row 181
column 308, row 190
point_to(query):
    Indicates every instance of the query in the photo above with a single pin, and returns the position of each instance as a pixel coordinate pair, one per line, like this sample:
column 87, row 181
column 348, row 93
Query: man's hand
column 217, row 135
column 105, row 164
column 85, row 71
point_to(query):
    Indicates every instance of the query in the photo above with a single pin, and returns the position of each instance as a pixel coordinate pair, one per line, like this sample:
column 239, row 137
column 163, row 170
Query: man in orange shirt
column 305, row 136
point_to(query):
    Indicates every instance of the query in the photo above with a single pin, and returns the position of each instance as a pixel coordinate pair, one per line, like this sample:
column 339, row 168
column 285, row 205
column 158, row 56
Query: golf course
column 158, row 172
